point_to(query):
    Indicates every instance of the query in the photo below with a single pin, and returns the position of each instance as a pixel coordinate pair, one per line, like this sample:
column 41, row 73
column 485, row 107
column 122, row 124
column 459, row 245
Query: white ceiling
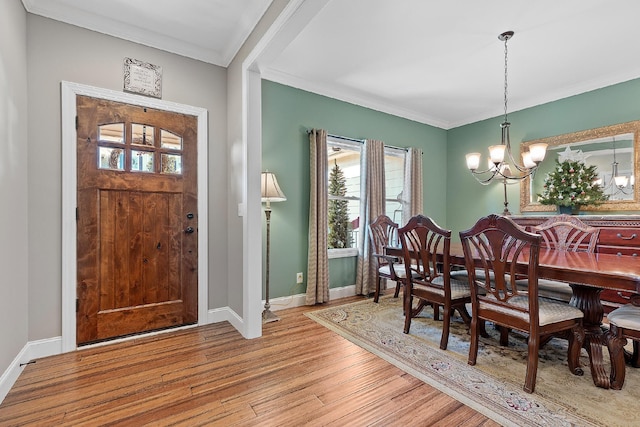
column 208, row 30
column 436, row 62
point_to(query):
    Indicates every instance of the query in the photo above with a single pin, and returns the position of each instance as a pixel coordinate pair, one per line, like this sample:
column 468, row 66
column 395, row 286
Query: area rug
column 494, row 385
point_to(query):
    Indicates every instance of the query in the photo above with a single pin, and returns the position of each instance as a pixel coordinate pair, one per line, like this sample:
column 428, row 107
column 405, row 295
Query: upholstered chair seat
column 627, row 316
column 624, row 322
column 464, row 275
column 551, row 289
column 549, row 311
column 459, row 288
column 399, row 270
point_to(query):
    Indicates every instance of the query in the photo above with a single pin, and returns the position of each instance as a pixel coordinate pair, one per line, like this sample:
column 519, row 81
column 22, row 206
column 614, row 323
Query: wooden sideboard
column 619, row 234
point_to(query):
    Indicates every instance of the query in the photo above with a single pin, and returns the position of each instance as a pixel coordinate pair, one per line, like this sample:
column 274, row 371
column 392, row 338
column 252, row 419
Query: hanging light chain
column 506, row 86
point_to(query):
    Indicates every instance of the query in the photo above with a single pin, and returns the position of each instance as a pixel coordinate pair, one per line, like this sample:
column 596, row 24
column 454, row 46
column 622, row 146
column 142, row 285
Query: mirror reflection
column 612, row 149
column 613, row 157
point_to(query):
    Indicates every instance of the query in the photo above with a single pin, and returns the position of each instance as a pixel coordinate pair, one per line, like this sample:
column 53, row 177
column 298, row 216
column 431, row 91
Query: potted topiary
column 571, row 185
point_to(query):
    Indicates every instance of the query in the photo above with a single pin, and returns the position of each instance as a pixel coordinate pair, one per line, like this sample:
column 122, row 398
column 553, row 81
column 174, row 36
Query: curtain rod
column 346, row 138
column 361, row 141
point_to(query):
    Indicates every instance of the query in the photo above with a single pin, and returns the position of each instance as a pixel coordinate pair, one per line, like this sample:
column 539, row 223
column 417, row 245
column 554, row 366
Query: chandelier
column 502, row 164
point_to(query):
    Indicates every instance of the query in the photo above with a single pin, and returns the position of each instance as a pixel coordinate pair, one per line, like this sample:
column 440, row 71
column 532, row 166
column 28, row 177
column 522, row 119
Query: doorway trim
column 69, row 187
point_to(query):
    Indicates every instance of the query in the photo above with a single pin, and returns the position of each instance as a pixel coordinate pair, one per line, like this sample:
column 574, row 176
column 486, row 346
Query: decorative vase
column 568, row 210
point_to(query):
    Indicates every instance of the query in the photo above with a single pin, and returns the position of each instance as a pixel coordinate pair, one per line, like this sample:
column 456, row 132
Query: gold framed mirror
column 615, row 150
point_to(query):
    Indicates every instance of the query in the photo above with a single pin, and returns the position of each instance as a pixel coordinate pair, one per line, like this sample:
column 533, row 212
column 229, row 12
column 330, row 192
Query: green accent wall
column 468, row 200
column 455, row 201
column 287, row 114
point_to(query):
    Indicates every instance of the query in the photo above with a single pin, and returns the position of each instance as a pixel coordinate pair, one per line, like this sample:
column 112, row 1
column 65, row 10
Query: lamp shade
column 538, row 151
column 473, row 161
column 526, row 160
column 505, row 170
column 496, row 153
column 269, row 189
column 621, row 180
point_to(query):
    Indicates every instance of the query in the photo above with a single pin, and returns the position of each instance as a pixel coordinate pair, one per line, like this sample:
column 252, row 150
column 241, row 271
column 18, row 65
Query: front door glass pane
column 110, row 158
column 112, row 132
column 172, row 163
column 141, row 161
column 170, row 140
column 142, row 134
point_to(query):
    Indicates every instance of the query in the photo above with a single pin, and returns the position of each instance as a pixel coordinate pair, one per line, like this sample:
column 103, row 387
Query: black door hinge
column 76, row 122
column 77, row 215
column 77, row 305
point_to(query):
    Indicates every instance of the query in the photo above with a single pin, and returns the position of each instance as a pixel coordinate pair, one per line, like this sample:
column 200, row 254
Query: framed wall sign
column 143, row 78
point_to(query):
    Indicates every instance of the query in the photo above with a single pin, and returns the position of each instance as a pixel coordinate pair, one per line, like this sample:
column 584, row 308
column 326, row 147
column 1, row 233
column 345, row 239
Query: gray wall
column 238, row 271
column 13, row 182
column 56, row 52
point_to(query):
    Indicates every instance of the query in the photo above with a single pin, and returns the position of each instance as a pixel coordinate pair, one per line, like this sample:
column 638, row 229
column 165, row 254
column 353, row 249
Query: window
column 345, row 189
column 142, row 150
column 344, row 186
column 394, row 183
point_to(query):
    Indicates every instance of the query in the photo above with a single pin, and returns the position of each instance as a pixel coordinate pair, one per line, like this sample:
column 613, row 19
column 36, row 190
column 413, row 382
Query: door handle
column 189, row 230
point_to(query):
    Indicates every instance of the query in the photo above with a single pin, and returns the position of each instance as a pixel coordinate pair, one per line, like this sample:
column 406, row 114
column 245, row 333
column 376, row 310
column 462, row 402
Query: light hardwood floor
column 297, row 373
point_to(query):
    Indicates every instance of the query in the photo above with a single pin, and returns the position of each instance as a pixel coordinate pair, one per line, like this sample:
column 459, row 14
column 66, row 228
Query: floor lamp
column 270, row 192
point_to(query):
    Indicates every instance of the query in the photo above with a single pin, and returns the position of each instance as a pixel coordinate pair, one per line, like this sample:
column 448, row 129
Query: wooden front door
column 137, row 219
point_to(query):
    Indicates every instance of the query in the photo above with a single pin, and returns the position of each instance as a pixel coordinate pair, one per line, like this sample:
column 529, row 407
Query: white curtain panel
column 413, row 200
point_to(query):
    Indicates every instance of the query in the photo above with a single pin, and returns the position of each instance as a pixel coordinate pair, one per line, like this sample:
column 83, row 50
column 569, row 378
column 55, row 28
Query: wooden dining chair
column 425, row 248
column 565, row 233
column 624, row 323
column 383, row 232
column 497, row 245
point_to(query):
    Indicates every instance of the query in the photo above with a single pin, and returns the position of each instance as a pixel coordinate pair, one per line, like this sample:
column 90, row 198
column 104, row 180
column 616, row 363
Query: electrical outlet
column 299, row 278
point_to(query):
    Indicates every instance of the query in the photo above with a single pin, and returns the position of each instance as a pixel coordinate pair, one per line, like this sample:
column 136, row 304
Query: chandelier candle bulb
column 505, row 170
column 621, row 180
column 473, row 161
column 496, row 152
column 537, row 151
column 526, row 160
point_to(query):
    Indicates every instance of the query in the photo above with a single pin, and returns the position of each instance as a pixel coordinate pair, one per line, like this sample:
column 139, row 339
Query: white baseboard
column 299, row 299
column 12, row 373
column 52, row 346
column 31, row 351
column 225, row 314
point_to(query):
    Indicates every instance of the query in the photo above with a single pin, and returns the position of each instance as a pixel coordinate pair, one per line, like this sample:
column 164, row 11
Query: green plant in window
column 338, row 210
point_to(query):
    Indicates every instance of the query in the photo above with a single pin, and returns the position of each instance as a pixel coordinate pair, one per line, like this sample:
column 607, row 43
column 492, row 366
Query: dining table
column 588, row 274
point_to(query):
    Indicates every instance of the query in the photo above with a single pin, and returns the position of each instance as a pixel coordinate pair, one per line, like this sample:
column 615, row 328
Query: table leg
column 587, row 299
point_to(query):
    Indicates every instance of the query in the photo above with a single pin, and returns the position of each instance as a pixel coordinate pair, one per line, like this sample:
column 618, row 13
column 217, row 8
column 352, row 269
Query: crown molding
column 350, row 96
column 79, row 18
